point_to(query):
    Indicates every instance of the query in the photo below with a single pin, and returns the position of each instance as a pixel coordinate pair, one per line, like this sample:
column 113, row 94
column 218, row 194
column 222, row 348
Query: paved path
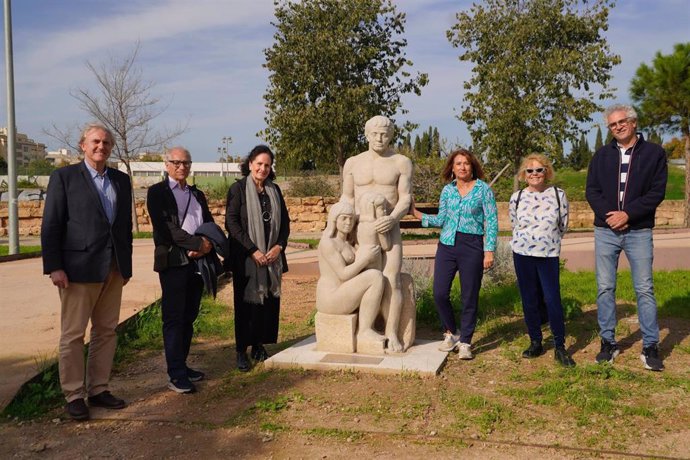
column 29, row 307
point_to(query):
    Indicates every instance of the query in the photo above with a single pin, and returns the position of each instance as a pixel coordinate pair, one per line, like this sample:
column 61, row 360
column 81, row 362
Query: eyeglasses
column 535, row 170
column 178, row 163
column 619, row 123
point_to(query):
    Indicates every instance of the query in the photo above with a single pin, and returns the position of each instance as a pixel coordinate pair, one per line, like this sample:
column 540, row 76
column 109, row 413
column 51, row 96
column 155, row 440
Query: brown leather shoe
column 107, row 400
column 77, row 409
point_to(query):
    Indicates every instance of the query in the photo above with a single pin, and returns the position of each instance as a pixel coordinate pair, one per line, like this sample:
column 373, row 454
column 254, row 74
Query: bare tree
column 123, row 102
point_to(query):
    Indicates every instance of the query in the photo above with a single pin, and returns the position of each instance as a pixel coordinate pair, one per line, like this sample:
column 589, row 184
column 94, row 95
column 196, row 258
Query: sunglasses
column 535, row 170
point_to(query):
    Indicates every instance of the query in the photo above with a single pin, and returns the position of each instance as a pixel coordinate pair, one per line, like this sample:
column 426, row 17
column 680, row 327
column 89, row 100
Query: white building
column 199, row 169
column 62, row 157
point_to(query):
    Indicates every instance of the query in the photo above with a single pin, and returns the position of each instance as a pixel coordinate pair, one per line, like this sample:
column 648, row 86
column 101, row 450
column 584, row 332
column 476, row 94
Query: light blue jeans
column 639, row 249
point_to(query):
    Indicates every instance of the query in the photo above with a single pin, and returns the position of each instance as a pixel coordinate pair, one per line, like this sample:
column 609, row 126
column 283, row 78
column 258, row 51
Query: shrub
column 311, row 186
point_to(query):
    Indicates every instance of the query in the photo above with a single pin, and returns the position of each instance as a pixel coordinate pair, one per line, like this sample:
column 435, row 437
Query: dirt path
column 473, row 409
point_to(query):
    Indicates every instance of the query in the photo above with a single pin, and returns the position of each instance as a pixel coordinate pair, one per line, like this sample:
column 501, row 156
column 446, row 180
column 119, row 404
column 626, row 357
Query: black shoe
column 77, row 409
column 650, row 358
column 563, row 357
column 182, row 386
column 195, row 376
column 259, row 353
column 243, row 361
column 535, row 349
column 608, row 352
column 107, row 400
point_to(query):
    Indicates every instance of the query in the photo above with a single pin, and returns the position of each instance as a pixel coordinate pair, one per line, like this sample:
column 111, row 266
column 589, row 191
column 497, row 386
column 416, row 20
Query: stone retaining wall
column 309, row 215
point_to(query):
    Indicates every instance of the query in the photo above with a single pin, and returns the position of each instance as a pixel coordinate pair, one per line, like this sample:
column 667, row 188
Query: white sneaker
column 465, row 351
column 450, row 342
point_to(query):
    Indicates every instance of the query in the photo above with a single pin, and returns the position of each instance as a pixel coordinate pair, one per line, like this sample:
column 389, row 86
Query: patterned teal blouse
column 466, row 215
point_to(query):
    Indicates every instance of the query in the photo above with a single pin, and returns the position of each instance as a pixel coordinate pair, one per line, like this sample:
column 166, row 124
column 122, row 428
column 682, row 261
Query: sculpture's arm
column 330, row 255
column 348, row 194
column 386, row 223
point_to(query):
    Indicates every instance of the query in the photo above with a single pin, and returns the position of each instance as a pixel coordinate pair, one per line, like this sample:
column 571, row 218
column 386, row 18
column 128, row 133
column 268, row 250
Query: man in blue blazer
column 86, row 239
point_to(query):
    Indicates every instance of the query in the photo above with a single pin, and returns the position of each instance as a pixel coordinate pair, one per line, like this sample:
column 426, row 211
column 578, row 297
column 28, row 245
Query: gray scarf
column 262, row 279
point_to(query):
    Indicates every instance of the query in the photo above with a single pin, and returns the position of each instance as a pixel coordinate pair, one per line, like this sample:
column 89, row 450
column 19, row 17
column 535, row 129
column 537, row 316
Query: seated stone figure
column 346, row 285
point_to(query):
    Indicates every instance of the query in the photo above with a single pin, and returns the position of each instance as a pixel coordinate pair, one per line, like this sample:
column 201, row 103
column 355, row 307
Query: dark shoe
column 259, row 353
column 243, row 361
column 182, row 386
column 77, row 409
column 107, row 400
column 608, row 352
column 195, row 376
column 650, row 358
column 535, row 349
column 563, row 357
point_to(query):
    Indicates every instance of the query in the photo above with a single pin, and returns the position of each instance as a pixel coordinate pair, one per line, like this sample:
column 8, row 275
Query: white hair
column 629, row 111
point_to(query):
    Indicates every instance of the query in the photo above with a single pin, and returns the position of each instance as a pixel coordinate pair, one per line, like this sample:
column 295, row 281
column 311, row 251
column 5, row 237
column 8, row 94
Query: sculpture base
column 336, row 333
column 422, row 358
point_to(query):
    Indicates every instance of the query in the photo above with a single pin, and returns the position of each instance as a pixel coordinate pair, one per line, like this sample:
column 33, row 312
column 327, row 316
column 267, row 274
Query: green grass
column 5, row 249
column 578, row 289
column 142, row 235
column 675, row 188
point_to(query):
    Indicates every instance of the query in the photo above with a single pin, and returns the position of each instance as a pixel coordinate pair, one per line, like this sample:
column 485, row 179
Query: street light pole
column 13, row 213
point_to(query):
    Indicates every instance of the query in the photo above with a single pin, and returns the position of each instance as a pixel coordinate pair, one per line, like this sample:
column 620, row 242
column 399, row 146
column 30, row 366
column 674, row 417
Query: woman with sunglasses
column 466, row 213
column 258, row 224
column 539, row 217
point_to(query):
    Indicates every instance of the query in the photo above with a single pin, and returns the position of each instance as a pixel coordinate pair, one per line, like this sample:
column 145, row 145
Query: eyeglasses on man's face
column 620, row 123
column 535, row 170
column 178, row 163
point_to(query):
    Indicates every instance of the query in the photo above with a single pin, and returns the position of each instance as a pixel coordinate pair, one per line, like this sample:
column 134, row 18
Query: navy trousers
column 466, row 257
column 181, row 295
column 537, row 277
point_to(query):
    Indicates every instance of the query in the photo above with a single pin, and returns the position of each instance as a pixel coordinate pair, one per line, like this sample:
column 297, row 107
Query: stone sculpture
column 377, row 184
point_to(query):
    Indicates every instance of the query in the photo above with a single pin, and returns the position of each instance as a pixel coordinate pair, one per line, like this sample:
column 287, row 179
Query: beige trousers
column 81, row 302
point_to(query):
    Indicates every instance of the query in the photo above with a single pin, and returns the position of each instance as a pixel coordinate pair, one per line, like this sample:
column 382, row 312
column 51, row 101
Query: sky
column 205, row 58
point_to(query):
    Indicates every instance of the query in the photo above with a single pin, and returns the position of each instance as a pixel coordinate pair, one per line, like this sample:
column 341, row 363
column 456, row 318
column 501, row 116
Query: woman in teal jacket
column 466, row 213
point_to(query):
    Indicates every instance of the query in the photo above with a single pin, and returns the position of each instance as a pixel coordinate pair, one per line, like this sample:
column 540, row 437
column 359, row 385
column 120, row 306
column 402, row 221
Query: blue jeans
column 639, row 249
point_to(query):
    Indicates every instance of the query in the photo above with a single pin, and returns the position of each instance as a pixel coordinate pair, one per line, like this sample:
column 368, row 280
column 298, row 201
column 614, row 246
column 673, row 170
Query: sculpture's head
column 379, row 132
column 341, row 208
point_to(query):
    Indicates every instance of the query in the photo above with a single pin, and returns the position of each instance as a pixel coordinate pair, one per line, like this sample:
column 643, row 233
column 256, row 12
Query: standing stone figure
column 386, row 173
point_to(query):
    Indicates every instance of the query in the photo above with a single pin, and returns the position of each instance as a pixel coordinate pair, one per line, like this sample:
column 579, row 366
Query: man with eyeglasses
column 626, row 182
column 177, row 209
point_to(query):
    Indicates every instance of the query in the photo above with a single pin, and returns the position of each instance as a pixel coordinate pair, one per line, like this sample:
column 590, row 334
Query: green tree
column 539, row 67
column 675, row 148
column 333, row 65
column 580, row 155
column 598, row 142
column 661, row 93
column 39, row 167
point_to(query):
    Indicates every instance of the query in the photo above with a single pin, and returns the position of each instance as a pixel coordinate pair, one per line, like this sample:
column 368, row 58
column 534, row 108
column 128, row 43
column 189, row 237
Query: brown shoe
column 107, row 400
column 77, row 409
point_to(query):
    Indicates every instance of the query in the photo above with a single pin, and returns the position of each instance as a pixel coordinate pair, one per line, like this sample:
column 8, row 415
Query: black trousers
column 182, row 288
column 255, row 324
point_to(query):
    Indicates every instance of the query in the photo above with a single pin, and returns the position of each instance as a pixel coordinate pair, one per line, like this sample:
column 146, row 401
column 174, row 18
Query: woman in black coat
column 258, row 225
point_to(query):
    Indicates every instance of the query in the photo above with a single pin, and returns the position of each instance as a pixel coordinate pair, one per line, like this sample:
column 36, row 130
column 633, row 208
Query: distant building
column 62, row 157
column 199, row 169
column 27, row 149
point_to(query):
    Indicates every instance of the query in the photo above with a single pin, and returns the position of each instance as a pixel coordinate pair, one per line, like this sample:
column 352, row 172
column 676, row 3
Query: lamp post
column 223, row 152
